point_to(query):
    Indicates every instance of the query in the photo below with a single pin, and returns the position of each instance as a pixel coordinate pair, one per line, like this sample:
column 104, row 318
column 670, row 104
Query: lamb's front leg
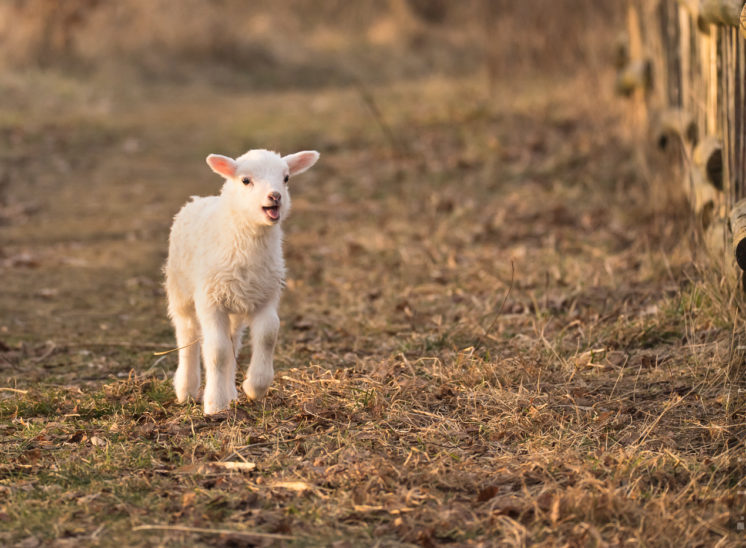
column 218, row 357
column 186, row 378
column 264, row 328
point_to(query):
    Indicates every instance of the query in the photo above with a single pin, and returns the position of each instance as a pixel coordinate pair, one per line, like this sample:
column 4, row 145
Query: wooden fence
column 683, row 63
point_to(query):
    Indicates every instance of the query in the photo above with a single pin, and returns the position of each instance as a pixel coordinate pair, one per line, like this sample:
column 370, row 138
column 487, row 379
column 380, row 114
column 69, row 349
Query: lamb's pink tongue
column 274, row 213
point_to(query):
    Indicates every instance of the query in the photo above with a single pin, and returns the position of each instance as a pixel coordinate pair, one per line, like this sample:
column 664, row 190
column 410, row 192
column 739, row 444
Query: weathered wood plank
column 737, row 112
column 738, row 226
column 708, row 158
column 686, row 57
column 675, row 124
column 637, row 74
column 692, row 6
column 703, row 197
column 721, row 12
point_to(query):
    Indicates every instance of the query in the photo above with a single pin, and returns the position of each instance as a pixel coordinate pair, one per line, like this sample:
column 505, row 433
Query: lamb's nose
column 274, row 196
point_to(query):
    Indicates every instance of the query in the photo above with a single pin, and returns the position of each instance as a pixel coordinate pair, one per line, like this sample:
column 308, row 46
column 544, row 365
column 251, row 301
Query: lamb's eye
column 287, row 178
column 246, row 181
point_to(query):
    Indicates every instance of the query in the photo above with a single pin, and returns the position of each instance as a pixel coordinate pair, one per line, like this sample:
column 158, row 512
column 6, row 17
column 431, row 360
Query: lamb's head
column 257, row 182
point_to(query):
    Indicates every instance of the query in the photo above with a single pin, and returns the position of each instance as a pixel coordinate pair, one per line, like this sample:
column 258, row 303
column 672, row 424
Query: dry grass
column 490, row 336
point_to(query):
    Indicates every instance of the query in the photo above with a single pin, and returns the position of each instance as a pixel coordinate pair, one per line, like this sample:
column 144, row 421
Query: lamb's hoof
column 186, row 386
column 215, row 403
column 183, row 394
column 213, row 407
column 254, row 391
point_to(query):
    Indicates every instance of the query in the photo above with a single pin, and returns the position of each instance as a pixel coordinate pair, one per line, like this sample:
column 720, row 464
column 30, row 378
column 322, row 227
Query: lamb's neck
column 247, row 236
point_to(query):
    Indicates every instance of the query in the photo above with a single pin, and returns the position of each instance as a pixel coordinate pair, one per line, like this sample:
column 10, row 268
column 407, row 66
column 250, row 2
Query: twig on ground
column 48, row 352
column 176, row 349
column 113, row 344
column 205, row 531
column 14, row 390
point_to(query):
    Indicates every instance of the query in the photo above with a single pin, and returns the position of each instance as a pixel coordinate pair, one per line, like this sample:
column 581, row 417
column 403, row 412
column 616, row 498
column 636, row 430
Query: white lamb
column 225, row 270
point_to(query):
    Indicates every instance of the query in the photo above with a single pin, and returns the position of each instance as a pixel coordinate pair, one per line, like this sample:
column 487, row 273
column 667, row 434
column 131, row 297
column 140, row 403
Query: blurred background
column 438, row 123
column 305, row 44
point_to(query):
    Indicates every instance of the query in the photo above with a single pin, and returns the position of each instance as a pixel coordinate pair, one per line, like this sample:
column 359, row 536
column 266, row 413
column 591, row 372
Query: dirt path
column 487, row 332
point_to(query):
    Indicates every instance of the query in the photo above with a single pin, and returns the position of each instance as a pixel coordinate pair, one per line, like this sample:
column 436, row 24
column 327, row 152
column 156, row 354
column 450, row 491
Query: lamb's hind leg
column 238, row 326
column 187, row 376
column 264, row 328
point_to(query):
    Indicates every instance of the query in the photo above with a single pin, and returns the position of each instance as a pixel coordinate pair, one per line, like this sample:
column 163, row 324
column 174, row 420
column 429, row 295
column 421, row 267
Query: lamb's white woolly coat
column 225, row 270
column 212, row 249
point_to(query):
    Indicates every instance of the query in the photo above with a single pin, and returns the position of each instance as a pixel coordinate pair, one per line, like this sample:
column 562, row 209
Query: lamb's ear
column 301, row 161
column 222, row 165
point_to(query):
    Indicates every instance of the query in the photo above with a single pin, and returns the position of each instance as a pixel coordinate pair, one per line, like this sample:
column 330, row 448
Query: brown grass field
column 497, row 329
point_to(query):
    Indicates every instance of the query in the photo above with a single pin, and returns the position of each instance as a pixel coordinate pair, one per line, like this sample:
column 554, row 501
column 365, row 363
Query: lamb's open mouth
column 273, row 212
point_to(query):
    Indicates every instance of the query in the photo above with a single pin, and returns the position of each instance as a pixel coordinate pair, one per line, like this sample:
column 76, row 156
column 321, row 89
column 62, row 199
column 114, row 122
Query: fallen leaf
column 87, row 498
column 78, row 436
column 507, row 506
column 240, row 466
column 187, row 499
column 206, row 468
column 299, row 486
column 98, row 442
column 487, row 493
column 47, row 293
column 30, row 456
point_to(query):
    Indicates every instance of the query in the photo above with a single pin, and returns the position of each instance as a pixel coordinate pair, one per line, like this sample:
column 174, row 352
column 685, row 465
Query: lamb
column 225, row 270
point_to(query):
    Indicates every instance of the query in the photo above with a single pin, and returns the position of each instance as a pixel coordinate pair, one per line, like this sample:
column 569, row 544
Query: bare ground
column 494, row 331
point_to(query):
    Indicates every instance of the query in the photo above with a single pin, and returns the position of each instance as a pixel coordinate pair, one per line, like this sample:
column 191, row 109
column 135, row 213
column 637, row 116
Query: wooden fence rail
column 683, row 63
